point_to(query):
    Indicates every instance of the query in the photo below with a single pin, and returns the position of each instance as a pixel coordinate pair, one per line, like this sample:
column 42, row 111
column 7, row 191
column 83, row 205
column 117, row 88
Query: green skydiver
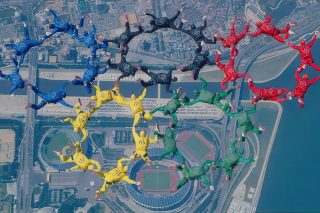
column 196, row 173
column 171, row 107
column 205, row 96
column 244, row 120
column 233, row 159
column 169, row 142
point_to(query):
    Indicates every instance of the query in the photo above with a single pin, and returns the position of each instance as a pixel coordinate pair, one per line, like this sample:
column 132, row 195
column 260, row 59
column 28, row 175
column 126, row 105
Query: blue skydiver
column 89, row 75
column 49, row 97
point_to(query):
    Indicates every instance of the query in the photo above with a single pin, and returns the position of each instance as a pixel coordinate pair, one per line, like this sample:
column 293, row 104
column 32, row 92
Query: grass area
column 5, row 13
column 196, row 147
column 156, row 180
column 56, row 143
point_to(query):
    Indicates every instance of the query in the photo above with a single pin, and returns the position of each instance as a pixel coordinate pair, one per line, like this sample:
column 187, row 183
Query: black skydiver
column 162, row 22
column 199, row 61
column 125, row 68
column 124, row 39
column 159, row 78
column 197, row 32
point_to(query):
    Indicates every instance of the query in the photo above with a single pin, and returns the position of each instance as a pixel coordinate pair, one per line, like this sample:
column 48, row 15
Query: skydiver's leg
column 162, row 108
column 234, row 51
column 136, row 119
column 70, row 120
column 147, row 84
column 64, row 159
column 73, row 168
column 205, row 180
column 4, row 76
column 196, row 73
column 187, row 68
column 77, row 82
column 279, row 100
column 36, row 43
column 256, row 130
column 11, row 46
column 147, row 116
column 146, row 159
column 133, row 157
column 38, row 106
column 229, row 174
column 96, row 164
column 175, row 17
column 255, row 100
column 128, row 180
column 21, row 58
column 315, row 66
column 285, row 30
column 103, row 188
column 279, row 38
column 182, row 182
column 26, row 33
column 301, row 101
column 163, row 155
column 88, row 88
column 175, row 120
column 94, row 49
column 178, row 153
column 241, row 75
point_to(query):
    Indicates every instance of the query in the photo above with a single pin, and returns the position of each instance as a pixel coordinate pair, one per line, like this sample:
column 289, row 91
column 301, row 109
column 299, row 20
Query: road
column 26, row 151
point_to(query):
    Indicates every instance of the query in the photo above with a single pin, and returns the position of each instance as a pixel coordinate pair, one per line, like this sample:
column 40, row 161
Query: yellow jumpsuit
column 137, row 108
column 105, row 96
column 114, row 176
column 81, row 161
column 81, row 121
column 142, row 143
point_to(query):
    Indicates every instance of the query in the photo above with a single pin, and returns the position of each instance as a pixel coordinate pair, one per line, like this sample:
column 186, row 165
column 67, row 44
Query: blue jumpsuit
column 62, row 26
column 24, row 46
column 14, row 78
column 89, row 76
column 50, row 97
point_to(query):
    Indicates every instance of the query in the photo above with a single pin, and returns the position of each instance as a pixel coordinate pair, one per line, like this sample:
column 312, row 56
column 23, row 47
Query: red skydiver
column 233, row 39
column 268, row 94
column 302, row 86
column 305, row 52
column 230, row 74
column 271, row 30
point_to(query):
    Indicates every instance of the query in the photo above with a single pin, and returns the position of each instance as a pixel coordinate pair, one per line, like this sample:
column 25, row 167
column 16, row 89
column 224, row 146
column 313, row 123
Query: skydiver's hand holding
column 204, row 17
column 316, row 33
column 181, row 9
column 127, row 17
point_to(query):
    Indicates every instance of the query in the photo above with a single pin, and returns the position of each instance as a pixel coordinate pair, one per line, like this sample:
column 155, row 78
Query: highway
column 26, row 151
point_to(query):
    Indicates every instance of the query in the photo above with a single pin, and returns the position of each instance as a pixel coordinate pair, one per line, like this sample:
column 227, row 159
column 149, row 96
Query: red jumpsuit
column 230, row 74
column 302, row 86
column 271, row 30
column 306, row 54
column 233, row 39
column 269, row 94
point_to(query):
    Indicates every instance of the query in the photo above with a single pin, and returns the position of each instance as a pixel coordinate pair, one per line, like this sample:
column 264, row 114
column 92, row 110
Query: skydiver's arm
column 252, row 110
column 231, row 62
column 153, row 140
column 296, row 74
column 257, row 33
column 268, row 18
column 152, row 30
column 233, row 146
column 13, row 89
column 198, row 50
column 141, row 97
column 232, row 114
column 100, row 72
column 204, row 26
column 14, row 61
column 151, row 15
column 194, row 101
column 97, row 88
column 205, row 180
column 290, row 44
column 63, row 86
column 119, row 163
column 94, row 30
column 74, row 168
column 246, row 160
column 65, row 104
column 159, row 135
column 128, row 180
column 314, row 39
column 204, row 83
column 314, row 80
column 135, row 135
column 77, row 145
column 55, row 17
column 168, row 88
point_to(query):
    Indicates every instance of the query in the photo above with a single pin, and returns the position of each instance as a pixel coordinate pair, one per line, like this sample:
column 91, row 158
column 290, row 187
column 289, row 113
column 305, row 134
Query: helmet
column 174, row 79
column 196, row 92
column 76, row 129
column 125, row 168
column 258, row 24
column 133, row 96
column 21, row 85
column 169, row 132
column 302, row 42
column 97, row 66
column 94, row 98
column 305, row 76
column 142, row 134
column 241, row 151
column 85, row 33
column 240, row 108
column 91, row 167
column 64, row 94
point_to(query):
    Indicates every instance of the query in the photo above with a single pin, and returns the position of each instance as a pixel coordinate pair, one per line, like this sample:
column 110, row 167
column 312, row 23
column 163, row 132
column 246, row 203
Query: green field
column 56, row 143
column 156, row 180
column 196, row 147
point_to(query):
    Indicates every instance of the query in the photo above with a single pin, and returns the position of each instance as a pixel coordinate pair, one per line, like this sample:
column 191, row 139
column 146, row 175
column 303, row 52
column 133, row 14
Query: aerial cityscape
column 159, row 105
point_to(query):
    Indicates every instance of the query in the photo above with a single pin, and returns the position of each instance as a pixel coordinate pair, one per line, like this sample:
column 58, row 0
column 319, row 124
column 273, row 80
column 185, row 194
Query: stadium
column 58, row 140
column 157, row 189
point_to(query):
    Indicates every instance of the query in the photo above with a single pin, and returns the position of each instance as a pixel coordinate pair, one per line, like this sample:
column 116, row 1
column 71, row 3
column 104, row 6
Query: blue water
column 292, row 179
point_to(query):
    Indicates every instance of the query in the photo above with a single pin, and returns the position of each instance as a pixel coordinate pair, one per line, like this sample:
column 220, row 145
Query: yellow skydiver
column 142, row 143
column 81, row 120
column 105, row 96
column 114, row 176
column 79, row 158
column 137, row 108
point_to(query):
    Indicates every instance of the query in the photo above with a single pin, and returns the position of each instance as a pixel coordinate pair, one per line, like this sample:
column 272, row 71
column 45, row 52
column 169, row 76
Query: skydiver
column 268, row 94
column 49, row 97
column 14, row 78
column 305, row 52
column 244, row 120
column 135, row 103
column 25, row 45
column 205, row 96
column 197, row 32
column 159, row 78
column 90, row 41
column 80, row 123
column 162, row 22
column 233, row 159
column 199, row 61
column 230, row 73
column 142, row 143
column 124, row 38
column 62, row 26
column 196, row 173
column 233, row 38
column 302, row 86
column 269, row 29
column 80, row 159
column 89, row 76
column 104, row 96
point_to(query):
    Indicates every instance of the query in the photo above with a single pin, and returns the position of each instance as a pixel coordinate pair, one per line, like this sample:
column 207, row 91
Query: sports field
column 196, row 147
column 57, row 142
column 156, row 180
